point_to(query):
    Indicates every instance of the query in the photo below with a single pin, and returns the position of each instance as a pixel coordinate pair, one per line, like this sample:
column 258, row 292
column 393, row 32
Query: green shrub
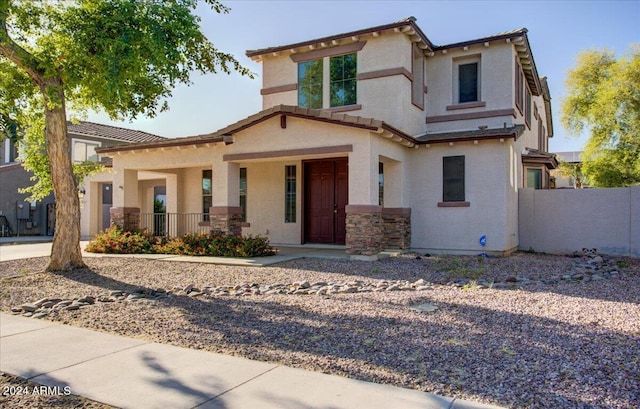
column 116, row 240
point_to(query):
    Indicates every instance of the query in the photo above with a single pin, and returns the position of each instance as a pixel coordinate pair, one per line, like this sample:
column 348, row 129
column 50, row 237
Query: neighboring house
column 565, row 181
column 377, row 139
column 38, row 218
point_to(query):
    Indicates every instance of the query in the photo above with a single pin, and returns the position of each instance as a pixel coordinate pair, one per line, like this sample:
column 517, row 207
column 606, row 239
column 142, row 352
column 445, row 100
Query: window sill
column 466, row 105
column 345, row 108
column 454, row 204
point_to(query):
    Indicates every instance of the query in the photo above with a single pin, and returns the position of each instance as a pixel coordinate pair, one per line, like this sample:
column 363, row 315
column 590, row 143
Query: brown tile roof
column 225, row 134
column 409, row 22
column 531, row 156
column 519, row 37
column 480, row 134
column 115, row 133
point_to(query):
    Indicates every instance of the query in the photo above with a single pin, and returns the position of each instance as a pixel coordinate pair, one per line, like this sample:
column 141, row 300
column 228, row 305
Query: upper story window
column 417, row 69
column 10, row 151
column 339, row 75
column 342, row 87
column 468, row 80
column 519, row 83
column 84, row 151
column 527, row 106
column 310, row 84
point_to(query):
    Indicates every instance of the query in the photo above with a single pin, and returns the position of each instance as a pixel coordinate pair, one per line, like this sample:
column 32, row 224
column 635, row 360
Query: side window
column 342, row 88
column 310, row 84
column 527, row 107
column 290, row 194
column 453, row 179
column 534, row 178
column 417, row 67
column 243, row 193
column 84, row 151
column 206, row 192
column 519, row 80
column 381, row 184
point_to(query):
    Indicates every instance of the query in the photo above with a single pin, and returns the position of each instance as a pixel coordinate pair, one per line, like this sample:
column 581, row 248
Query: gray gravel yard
column 531, row 339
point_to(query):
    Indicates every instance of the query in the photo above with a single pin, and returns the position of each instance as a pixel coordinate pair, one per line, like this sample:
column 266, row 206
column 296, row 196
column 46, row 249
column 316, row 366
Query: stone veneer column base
column 364, row 230
column 226, row 220
column 396, row 222
column 127, row 218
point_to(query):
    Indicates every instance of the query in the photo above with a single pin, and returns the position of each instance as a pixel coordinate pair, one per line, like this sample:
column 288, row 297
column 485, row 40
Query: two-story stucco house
column 377, row 139
column 19, row 217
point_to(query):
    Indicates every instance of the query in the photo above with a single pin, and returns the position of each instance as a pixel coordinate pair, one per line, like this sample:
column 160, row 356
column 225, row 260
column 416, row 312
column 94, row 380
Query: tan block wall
column 563, row 221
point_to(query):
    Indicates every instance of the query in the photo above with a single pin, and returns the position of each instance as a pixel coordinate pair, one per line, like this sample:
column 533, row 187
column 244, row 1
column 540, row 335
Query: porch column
column 364, row 225
column 171, row 220
column 225, row 214
column 396, row 219
column 396, row 226
column 364, row 230
column 125, row 212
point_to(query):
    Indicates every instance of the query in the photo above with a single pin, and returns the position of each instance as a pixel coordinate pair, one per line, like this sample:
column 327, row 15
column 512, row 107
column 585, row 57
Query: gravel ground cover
column 539, row 342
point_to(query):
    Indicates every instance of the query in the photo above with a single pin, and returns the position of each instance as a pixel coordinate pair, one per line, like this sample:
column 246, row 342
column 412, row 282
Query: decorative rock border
column 586, row 267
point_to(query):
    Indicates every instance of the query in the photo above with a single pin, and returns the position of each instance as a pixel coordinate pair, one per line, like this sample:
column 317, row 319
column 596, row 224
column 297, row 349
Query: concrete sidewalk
column 29, row 249
column 131, row 373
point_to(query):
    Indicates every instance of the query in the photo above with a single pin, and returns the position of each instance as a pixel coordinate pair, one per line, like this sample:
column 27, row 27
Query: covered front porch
column 285, row 177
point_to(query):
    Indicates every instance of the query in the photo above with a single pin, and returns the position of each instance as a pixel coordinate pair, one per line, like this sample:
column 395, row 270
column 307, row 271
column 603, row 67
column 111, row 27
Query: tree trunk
column 65, row 252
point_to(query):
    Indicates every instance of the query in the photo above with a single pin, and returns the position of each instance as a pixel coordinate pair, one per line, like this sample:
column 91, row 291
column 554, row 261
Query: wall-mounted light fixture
column 81, row 192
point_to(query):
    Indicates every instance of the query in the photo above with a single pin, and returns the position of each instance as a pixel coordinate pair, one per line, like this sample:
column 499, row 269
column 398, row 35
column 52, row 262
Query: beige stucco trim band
column 471, row 115
column 279, row 88
column 363, row 209
column 225, row 210
column 323, row 150
column 389, row 72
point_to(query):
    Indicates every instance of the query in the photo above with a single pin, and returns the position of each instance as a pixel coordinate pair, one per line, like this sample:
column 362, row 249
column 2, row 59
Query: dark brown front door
column 326, row 195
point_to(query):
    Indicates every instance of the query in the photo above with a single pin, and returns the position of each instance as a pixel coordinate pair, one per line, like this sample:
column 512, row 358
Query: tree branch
column 14, row 52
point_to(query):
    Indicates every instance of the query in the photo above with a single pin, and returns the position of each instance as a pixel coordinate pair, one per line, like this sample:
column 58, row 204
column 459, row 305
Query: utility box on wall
column 23, row 211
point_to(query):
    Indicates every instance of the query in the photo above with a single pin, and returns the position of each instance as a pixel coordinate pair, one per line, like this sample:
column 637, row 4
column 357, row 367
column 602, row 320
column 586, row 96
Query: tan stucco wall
column 413, row 178
column 265, row 202
column 458, row 229
column 265, row 177
column 385, row 98
column 567, row 220
column 496, row 90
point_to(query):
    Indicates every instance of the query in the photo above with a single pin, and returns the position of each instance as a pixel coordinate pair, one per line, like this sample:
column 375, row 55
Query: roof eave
column 409, row 22
column 468, row 139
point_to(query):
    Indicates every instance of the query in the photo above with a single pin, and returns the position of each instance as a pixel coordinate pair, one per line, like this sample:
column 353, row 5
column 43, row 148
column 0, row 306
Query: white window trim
column 85, row 141
column 457, row 62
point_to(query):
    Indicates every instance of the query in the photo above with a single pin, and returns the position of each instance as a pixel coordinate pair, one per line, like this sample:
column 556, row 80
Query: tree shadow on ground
column 507, row 358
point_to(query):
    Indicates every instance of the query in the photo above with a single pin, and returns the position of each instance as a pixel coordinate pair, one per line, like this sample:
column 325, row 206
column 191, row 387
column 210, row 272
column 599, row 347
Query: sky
column 558, row 31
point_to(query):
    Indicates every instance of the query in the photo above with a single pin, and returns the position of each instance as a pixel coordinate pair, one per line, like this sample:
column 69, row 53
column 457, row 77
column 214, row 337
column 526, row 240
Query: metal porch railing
column 174, row 224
